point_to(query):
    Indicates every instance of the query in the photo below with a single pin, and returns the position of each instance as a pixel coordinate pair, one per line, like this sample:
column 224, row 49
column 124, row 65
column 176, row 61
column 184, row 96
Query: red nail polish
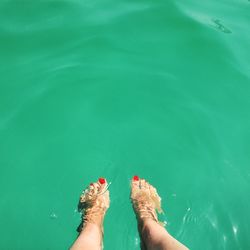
column 91, row 184
column 102, row 181
column 136, row 178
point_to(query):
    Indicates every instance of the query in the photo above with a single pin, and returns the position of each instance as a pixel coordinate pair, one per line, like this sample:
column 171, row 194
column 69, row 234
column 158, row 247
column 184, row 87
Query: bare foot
column 146, row 204
column 94, row 203
column 145, row 199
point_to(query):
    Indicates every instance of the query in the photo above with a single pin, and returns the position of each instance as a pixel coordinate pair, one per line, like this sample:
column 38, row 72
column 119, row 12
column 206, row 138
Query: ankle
column 144, row 224
column 94, row 219
column 93, row 229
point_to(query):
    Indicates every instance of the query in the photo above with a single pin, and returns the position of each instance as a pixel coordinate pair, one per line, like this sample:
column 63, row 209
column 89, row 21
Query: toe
column 102, row 180
column 135, row 182
column 144, row 184
column 93, row 188
column 89, row 192
column 135, row 186
column 102, row 184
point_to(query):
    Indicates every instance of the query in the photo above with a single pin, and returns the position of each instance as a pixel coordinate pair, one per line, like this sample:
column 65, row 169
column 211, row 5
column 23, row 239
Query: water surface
column 117, row 88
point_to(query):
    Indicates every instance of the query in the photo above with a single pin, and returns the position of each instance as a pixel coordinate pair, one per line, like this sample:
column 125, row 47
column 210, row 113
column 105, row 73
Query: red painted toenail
column 91, row 184
column 102, row 181
column 136, row 178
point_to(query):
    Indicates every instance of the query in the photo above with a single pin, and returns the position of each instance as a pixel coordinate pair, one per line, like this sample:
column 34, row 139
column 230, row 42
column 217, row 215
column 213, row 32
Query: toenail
column 102, row 181
column 136, row 178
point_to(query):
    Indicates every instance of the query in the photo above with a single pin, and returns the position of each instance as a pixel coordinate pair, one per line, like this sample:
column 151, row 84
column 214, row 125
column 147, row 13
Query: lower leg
column 90, row 238
column 93, row 203
column 146, row 201
column 155, row 237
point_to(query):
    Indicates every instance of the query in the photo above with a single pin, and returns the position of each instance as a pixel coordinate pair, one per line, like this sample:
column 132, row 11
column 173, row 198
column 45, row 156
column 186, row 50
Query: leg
column 157, row 238
column 90, row 238
column 145, row 202
column 93, row 203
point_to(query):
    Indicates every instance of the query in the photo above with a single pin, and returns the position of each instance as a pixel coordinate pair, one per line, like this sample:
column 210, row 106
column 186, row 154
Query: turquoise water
column 116, row 88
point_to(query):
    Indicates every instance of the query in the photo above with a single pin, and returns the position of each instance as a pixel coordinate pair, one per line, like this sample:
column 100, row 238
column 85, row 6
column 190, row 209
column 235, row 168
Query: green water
column 116, row 88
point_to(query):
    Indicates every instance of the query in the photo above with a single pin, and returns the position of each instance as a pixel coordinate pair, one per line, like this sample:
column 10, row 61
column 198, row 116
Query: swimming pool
column 117, row 88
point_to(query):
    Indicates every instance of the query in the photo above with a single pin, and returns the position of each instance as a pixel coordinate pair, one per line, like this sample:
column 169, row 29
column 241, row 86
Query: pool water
column 116, row 88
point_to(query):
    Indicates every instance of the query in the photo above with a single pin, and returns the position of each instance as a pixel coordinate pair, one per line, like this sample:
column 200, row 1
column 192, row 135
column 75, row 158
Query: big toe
column 135, row 182
column 102, row 184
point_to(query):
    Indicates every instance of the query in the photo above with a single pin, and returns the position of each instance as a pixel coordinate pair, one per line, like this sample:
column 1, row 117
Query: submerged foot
column 94, row 203
column 145, row 199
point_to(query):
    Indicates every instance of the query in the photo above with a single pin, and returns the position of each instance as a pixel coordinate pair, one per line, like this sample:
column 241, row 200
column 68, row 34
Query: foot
column 145, row 199
column 94, row 203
